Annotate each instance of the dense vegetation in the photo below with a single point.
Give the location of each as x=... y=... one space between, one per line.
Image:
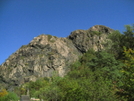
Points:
x=8 y=96
x=106 y=75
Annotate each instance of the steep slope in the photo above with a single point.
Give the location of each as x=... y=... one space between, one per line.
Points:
x=43 y=55
x=46 y=53
x=93 y=38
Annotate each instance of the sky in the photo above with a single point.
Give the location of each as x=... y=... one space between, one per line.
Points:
x=22 y=20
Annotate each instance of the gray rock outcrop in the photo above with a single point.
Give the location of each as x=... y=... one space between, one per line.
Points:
x=93 y=38
x=46 y=54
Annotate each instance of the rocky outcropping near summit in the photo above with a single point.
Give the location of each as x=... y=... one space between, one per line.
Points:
x=46 y=54
x=93 y=38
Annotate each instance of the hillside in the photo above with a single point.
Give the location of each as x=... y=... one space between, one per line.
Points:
x=95 y=64
x=46 y=53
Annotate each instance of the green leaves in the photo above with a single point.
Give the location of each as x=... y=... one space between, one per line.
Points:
x=10 y=96
x=128 y=74
x=119 y=40
x=105 y=62
x=129 y=31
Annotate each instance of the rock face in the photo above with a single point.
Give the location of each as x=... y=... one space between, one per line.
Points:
x=93 y=38
x=46 y=54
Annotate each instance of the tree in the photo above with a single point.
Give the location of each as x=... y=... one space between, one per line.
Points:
x=119 y=40
x=116 y=38
x=8 y=96
x=107 y=63
x=128 y=75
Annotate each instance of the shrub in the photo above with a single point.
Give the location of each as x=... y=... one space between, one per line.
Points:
x=10 y=96
x=49 y=37
x=3 y=93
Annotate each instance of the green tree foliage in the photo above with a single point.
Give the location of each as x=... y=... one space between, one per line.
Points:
x=106 y=63
x=50 y=91
x=87 y=87
x=10 y=96
x=128 y=37
x=127 y=88
x=119 y=40
x=129 y=31
x=115 y=44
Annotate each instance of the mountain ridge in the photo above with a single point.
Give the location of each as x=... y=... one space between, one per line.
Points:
x=46 y=54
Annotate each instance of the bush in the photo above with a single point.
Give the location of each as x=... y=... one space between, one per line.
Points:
x=10 y=96
x=3 y=93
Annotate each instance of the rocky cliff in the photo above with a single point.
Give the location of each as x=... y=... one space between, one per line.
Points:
x=46 y=54
x=93 y=38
